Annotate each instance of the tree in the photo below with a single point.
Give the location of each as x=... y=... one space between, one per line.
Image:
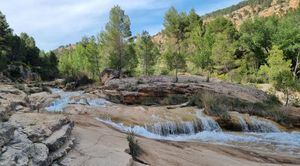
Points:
x=175 y=28
x=288 y=39
x=116 y=37
x=30 y=50
x=285 y=82
x=222 y=53
x=5 y=36
x=93 y=58
x=256 y=38
x=275 y=64
x=147 y=53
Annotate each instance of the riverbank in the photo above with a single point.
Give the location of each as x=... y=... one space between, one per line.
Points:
x=82 y=127
x=99 y=144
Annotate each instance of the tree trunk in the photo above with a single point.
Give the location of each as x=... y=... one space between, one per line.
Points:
x=176 y=73
x=208 y=76
x=296 y=66
x=287 y=98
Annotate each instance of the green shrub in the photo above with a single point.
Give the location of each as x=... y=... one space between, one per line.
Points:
x=134 y=148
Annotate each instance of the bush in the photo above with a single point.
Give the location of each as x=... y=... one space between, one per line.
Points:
x=134 y=148
x=214 y=105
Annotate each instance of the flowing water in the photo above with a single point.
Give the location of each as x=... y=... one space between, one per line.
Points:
x=258 y=134
x=208 y=124
x=67 y=98
x=243 y=123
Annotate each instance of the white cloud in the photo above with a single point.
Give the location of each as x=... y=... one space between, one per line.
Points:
x=57 y=22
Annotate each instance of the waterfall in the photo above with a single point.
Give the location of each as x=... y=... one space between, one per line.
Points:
x=173 y=128
x=243 y=123
x=262 y=125
x=207 y=123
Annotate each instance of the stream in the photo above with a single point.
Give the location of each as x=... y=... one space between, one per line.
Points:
x=261 y=136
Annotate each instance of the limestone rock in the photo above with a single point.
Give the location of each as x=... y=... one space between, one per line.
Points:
x=21 y=151
x=6 y=133
x=41 y=100
x=108 y=74
x=59 y=137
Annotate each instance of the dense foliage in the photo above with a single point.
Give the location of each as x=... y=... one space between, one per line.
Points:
x=19 y=55
x=249 y=54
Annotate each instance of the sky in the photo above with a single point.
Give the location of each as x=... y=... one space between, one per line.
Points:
x=60 y=22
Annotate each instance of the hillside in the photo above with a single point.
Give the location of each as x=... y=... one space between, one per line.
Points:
x=244 y=10
x=251 y=8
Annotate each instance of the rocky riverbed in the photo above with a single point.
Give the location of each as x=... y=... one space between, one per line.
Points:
x=49 y=126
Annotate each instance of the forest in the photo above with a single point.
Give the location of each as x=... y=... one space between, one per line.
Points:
x=261 y=50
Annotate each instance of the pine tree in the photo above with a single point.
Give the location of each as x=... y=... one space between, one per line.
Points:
x=175 y=28
x=147 y=53
x=5 y=36
x=116 y=38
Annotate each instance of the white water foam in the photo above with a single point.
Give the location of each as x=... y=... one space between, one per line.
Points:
x=66 y=98
x=263 y=125
x=243 y=123
x=286 y=143
x=207 y=123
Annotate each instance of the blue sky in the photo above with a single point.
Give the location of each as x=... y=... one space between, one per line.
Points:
x=59 y=22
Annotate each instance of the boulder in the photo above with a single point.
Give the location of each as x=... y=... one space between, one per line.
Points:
x=41 y=100
x=59 y=137
x=162 y=90
x=22 y=152
x=108 y=74
x=35 y=139
x=6 y=133
x=4 y=114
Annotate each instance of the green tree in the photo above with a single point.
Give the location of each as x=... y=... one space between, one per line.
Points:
x=5 y=36
x=257 y=39
x=175 y=28
x=116 y=38
x=288 y=38
x=223 y=53
x=147 y=53
x=275 y=64
x=30 y=51
x=285 y=82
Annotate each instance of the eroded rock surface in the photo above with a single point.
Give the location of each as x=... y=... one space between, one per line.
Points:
x=163 y=90
x=37 y=139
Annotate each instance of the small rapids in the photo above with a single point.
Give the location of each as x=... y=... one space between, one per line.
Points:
x=207 y=123
x=278 y=142
x=67 y=98
x=258 y=133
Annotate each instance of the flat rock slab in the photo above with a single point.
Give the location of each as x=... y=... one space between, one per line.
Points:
x=38 y=126
x=98 y=144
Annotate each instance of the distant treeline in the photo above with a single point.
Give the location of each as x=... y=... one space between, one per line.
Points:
x=262 y=3
x=19 y=55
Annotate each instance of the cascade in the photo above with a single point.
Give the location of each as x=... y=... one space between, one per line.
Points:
x=243 y=123
x=207 y=123
x=262 y=125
